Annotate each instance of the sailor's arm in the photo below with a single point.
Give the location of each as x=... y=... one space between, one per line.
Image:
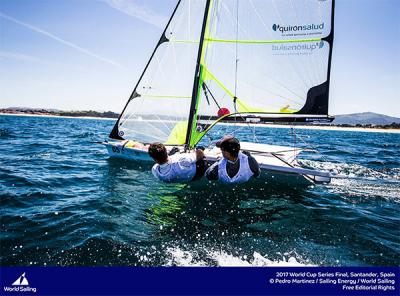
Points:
x=254 y=166
x=212 y=172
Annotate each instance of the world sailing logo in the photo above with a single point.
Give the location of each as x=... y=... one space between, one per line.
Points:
x=21 y=284
x=21 y=281
x=299 y=28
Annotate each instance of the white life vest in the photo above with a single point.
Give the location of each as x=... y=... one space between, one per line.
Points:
x=180 y=168
x=242 y=176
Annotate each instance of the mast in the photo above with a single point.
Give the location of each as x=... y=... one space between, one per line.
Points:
x=329 y=39
x=197 y=77
x=114 y=133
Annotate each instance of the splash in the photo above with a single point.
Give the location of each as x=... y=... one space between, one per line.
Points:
x=179 y=257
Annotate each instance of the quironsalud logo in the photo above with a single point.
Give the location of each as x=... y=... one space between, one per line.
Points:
x=305 y=48
x=298 y=28
x=21 y=285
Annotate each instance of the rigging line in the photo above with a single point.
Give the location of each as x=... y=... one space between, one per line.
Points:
x=126 y=122
x=236 y=64
x=114 y=131
x=313 y=66
x=135 y=130
x=159 y=129
x=145 y=134
x=281 y=41
x=173 y=50
x=127 y=117
x=309 y=65
x=159 y=118
x=236 y=57
x=320 y=69
x=312 y=147
x=276 y=94
x=259 y=16
x=275 y=81
x=159 y=67
x=140 y=107
x=315 y=61
x=294 y=140
x=289 y=164
x=236 y=49
x=205 y=93
x=189 y=19
x=212 y=96
x=232 y=19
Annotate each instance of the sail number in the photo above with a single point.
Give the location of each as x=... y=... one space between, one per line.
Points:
x=115 y=149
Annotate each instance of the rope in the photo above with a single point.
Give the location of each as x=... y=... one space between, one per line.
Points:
x=296 y=136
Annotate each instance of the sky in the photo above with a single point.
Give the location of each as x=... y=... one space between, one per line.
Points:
x=88 y=54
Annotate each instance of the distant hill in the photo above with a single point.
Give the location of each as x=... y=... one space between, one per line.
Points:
x=55 y=112
x=365 y=118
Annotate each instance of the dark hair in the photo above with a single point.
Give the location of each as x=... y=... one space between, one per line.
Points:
x=232 y=146
x=158 y=152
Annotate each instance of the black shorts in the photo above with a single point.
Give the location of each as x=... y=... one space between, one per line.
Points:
x=201 y=167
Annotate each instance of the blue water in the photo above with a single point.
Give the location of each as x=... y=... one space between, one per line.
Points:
x=64 y=202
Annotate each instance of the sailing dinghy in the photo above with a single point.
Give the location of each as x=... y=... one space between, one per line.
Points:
x=233 y=63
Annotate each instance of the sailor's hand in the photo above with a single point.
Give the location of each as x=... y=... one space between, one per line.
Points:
x=199 y=154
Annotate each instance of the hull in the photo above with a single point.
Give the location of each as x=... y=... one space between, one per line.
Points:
x=278 y=163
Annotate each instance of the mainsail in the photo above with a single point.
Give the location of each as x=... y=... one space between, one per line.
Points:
x=262 y=59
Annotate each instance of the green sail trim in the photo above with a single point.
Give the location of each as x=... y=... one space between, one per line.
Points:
x=248 y=41
x=178 y=134
x=262 y=41
x=243 y=107
x=205 y=74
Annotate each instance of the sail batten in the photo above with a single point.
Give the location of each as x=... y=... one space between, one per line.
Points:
x=262 y=41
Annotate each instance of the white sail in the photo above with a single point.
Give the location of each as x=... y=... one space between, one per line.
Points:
x=241 y=56
x=163 y=96
x=265 y=57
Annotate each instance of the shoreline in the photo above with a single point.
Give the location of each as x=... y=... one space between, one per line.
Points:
x=328 y=128
x=58 y=116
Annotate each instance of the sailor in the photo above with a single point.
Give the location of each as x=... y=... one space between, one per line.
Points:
x=179 y=167
x=235 y=166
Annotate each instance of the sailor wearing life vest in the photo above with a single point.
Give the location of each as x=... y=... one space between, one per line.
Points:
x=179 y=167
x=235 y=166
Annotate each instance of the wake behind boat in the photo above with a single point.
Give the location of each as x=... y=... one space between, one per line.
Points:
x=233 y=62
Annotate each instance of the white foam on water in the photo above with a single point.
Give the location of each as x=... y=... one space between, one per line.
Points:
x=179 y=257
x=357 y=181
x=352 y=170
x=365 y=189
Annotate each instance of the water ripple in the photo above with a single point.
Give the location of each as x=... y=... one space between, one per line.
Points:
x=64 y=202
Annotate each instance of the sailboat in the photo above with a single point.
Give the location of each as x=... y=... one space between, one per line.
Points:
x=232 y=63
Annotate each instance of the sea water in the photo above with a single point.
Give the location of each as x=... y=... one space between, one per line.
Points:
x=65 y=202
